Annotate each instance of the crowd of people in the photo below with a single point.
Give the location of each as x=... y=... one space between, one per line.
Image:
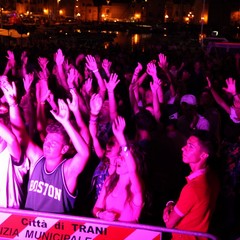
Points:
x=112 y=134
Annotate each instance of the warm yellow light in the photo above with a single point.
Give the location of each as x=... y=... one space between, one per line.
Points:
x=204 y=19
x=45 y=11
x=61 y=12
x=136 y=39
x=103 y=15
x=166 y=16
x=78 y=14
x=137 y=15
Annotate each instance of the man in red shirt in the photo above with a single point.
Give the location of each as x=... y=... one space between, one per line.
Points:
x=194 y=208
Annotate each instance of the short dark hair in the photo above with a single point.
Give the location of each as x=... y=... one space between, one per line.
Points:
x=144 y=120
x=56 y=127
x=204 y=140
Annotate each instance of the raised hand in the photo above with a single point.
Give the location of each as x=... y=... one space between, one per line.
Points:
x=113 y=82
x=42 y=91
x=231 y=86
x=62 y=115
x=106 y=65
x=162 y=61
x=91 y=63
x=24 y=58
x=59 y=57
x=42 y=61
x=11 y=59
x=87 y=86
x=118 y=127
x=42 y=75
x=27 y=81
x=71 y=78
x=138 y=69
x=152 y=69
x=73 y=105
x=155 y=85
x=9 y=90
x=95 y=104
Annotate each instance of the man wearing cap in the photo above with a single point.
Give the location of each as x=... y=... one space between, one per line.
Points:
x=190 y=120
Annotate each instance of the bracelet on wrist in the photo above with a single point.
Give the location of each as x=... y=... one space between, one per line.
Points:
x=94 y=114
x=97 y=213
x=13 y=104
x=170 y=203
x=93 y=120
x=94 y=71
x=125 y=148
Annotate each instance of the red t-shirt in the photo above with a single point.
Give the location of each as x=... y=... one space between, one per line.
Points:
x=197 y=203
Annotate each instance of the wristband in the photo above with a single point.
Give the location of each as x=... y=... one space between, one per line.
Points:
x=94 y=71
x=13 y=105
x=124 y=148
x=169 y=203
x=97 y=213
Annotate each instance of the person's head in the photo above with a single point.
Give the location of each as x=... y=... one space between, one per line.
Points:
x=148 y=97
x=197 y=149
x=188 y=104
x=144 y=121
x=56 y=142
x=112 y=148
x=206 y=99
x=104 y=112
x=123 y=171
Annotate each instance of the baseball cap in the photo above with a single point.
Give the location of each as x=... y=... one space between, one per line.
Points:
x=189 y=99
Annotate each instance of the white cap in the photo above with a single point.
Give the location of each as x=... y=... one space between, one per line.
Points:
x=189 y=99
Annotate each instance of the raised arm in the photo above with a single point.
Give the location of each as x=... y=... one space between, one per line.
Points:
x=152 y=71
x=106 y=65
x=155 y=85
x=95 y=106
x=42 y=94
x=92 y=65
x=74 y=166
x=111 y=85
x=118 y=127
x=24 y=60
x=12 y=142
x=74 y=107
x=11 y=63
x=33 y=152
x=134 y=89
x=59 y=59
x=72 y=78
x=163 y=64
x=27 y=102
x=217 y=98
